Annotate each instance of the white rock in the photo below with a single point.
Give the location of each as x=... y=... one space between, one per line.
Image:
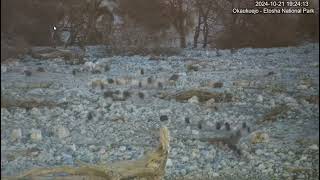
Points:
x=122 y=148
x=259 y=152
x=302 y=87
x=260 y=98
x=195 y=153
x=185 y=159
x=73 y=147
x=272 y=103
x=314 y=147
x=62 y=132
x=303 y=158
x=215 y=174
x=169 y=163
x=261 y=167
x=195 y=132
x=16 y=134
x=210 y=102
x=35 y=112
x=36 y=135
x=4 y=68
x=194 y=100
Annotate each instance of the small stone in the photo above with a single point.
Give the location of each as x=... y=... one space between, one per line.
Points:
x=41 y=69
x=218 y=125
x=185 y=159
x=102 y=151
x=73 y=147
x=36 y=135
x=149 y=80
x=199 y=125
x=16 y=134
x=110 y=81
x=160 y=85
x=211 y=102
x=108 y=94
x=141 y=95
x=194 y=100
x=187 y=120
x=27 y=73
x=169 y=163
x=96 y=71
x=303 y=158
x=195 y=153
x=62 y=132
x=302 y=87
x=67 y=158
x=101 y=86
x=174 y=77
x=164 y=118
x=215 y=174
x=4 y=68
x=74 y=72
x=271 y=73
x=244 y=125
x=260 y=98
x=106 y=68
x=123 y=148
x=259 y=152
x=126 y=94
x=314 y=147
x=195 y=132
x=183 y=172
x=227 y=126
x=272 y=103
x=90 y=116
x=261 y=167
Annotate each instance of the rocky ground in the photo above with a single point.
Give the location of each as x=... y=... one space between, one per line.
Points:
x=110 y=108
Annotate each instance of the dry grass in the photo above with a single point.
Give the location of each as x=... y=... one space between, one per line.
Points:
x=42 y=85
x=98 y=83
x=275 y=112
x=277 y=88
x=192 y=67
x=26 y=104
x=203 y=96
x=150 y=167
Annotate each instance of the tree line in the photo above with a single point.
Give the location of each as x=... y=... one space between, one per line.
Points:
x=209 y=22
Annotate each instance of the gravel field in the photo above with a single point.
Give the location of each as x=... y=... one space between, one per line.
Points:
x=110 y=109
